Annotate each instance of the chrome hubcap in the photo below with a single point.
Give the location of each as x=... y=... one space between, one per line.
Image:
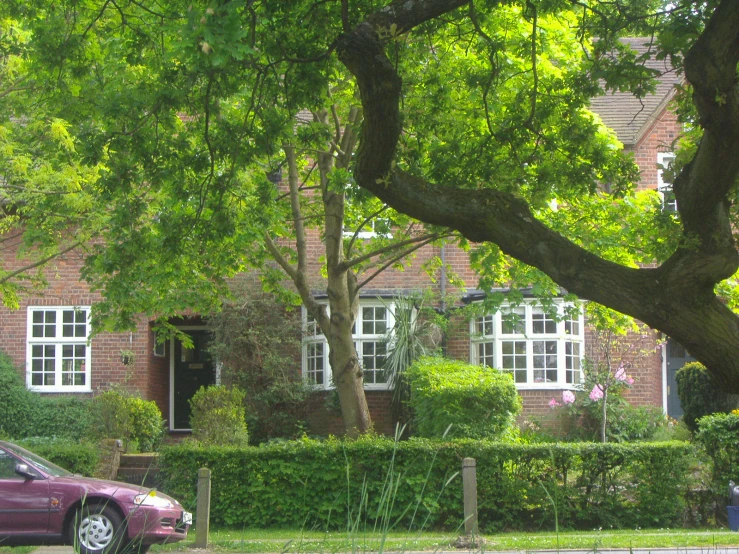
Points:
x=95 y=532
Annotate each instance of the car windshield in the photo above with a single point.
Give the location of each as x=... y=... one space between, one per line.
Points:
x=44 y=465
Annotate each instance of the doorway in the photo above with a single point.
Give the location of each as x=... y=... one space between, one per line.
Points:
x=677 y=357
x=191 y=368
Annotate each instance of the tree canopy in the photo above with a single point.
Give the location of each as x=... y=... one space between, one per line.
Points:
x=166 y=117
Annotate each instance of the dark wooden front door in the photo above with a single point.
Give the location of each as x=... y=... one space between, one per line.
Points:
x=193 y=368
x=677 y=357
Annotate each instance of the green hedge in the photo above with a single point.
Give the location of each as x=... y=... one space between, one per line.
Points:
x=78 y=457
x=307 y=483
x=718 y=435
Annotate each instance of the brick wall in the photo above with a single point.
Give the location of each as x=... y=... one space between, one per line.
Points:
x=660 y=137
x=149 y=375
x=325 y=416
x=107 y=370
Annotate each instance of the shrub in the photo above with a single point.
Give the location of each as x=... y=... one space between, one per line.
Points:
x=16 y=402
x=718 y=435
x=218 y=416
x=147 y=425
x=27 y=414
x=78 y=457
x=477 y=402
x=258 y=345
x=61 y=416
x=699 y=394
x=119 y=415
x=582 y=420
x=325 y=484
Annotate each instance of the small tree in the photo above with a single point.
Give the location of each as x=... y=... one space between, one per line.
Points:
x=257 y=341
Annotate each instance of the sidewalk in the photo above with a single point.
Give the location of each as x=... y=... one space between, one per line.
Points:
x=686 y=550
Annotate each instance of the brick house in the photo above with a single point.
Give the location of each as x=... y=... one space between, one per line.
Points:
x=48 y=334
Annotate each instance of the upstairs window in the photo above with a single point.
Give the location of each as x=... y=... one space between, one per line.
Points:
x=664 y=161
x=537 y=349
x=58 y=353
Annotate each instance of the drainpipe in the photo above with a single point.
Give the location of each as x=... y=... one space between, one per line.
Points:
x=443 y=276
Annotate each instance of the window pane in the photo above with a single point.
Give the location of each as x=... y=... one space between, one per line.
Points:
x=572 y=363
x=545 y=361
x=73 y=364
x=314 y=363
x=572 y=327
x=373 y=359
x=541 y=324
x=513 y=322
x=374 y=320
x=514 y=358
x=485 y=325
x=485 y=354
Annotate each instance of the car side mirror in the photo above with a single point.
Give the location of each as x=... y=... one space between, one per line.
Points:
x=24 y=471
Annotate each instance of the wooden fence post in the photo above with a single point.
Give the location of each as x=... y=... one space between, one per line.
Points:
x=202 y=517
x=469 y=485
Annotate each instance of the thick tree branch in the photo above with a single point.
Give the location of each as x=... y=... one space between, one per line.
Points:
x=677 y=297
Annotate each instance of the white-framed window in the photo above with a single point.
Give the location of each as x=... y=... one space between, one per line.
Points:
x=58 y=353
x=377 y=227
x=669 y=203
x=538 y=350
x=370 y=340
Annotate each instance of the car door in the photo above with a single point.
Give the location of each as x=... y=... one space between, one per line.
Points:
x=24 y=503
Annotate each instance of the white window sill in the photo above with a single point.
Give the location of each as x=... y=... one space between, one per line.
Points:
x=60 y=389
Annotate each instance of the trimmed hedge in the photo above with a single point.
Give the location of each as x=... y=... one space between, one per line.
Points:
x=78 y=457
x=718 y=435
x=306 y=483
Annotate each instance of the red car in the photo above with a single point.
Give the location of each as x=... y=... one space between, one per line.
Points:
x=39 y=501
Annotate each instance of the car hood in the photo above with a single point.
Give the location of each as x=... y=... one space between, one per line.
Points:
x=124 y=492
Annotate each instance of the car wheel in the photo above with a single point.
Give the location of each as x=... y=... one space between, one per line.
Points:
x=96 y=529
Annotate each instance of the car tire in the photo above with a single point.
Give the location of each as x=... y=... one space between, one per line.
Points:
x=96 y=529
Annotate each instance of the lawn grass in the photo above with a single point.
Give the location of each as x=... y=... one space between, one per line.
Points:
x=296 y=541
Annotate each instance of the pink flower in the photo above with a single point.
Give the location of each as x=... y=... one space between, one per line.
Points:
x=621 y=374
x=568 y=397
x=553 y=403
x=630 y=380
x=596 y=394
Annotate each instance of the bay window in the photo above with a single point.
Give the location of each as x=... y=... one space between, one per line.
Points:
x=538 y=349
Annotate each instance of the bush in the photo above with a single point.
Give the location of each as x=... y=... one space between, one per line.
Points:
x=582 y=420
x=16 y=402
x=28 y=414
x=147 y=425
x=61 y=416
x=416 y=483
x=258 y=345
x=718 y=435
x=119 y=415
x=699 y=394
x=78 y=457
x=218 y=416
x=477 y=402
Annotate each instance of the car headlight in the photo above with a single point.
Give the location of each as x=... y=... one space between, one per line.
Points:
x=151 y=499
